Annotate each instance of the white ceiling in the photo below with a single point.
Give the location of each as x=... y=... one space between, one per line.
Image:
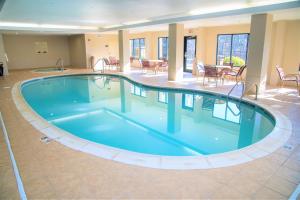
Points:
x=101 y=13
x=290 y=14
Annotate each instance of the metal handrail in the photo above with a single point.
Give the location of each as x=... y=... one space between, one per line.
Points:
x=231 y=90
x=256 y=91
x=244 y=92
x=100 y=59
x=60 y=62
x=235 y=114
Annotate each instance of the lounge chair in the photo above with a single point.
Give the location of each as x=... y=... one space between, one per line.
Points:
x=287 y=77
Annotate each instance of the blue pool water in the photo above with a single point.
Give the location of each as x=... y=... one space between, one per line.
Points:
x=113 y=111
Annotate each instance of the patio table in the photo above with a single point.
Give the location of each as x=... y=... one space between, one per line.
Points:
x=156 y=64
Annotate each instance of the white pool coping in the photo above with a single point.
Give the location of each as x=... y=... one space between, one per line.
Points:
x=277 y=138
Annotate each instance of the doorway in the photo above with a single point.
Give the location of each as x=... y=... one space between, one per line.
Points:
x=189 y=55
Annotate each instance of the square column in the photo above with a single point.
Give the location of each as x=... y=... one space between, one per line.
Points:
x=176 y=35
x=124 y=51
x=259 y=50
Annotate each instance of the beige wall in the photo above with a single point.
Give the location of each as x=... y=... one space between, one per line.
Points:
x=285 y=50
x=77 y=51
x=21 y=53
x=101 y=46
x=291 y=54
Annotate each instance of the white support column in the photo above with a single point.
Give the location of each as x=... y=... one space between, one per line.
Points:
x=124 y=50
x=176 y=35
x=259 y=50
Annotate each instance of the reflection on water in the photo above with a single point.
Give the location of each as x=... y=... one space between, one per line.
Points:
x=115 y=112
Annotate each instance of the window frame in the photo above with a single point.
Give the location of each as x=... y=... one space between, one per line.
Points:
x=158 y=51
x=140 y=94
x=184 y=106
x=139 y=47
x=166 y=100
x=232 y=34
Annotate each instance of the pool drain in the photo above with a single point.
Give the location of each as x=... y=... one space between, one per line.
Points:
x=288 y=147
x=46 y=139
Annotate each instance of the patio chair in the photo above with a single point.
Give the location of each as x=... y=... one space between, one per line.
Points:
x=164 y=65
x=287 y=77
x=131 y=59
x=233 y=73
x=146 y=65
x=107 y=63
x=199 y=69
x=212 y=72
x=114 y=62
x=228 y=64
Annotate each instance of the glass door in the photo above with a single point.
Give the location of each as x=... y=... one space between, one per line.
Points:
x=189 y=52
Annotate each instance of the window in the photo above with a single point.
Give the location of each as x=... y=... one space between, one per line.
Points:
x=229 y=112
x=137 y=48
x=232 y=48
x=138 y=91
x=163 y=43
x=188 y=101
x=163 y=97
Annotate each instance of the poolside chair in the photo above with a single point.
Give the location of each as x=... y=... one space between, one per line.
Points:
x=107 y=63
x=114 y=62
x=212 y=72
x=235 y=74
x=164 y=65
x=131 y=59
x=199 y=69
x=287 y=77
x=146 y=65
x=228 y=64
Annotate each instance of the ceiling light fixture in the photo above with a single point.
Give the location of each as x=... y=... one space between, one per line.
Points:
x=47 y=26
x=16 y=24
x=112 y=26
x=208 y=10
x=53 y=26
x=236 y=6
x=136 y=22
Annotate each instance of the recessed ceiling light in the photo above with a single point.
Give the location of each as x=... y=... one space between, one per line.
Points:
x=136 y=22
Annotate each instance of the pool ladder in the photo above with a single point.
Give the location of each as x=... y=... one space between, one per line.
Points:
x=98 y=61
x=244 y=92
x=60 y=64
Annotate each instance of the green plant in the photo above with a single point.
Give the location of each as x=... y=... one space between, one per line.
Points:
x=237 y=61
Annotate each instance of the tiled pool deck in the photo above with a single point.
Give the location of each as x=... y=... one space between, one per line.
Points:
x=55 y=171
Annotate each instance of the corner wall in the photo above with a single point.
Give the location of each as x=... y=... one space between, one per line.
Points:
x=101 y=46
x=21 y=53
x=77 y=51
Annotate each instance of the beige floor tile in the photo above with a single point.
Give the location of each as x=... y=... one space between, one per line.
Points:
x=267 y=193
x=281 y=185
x=289 y=174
